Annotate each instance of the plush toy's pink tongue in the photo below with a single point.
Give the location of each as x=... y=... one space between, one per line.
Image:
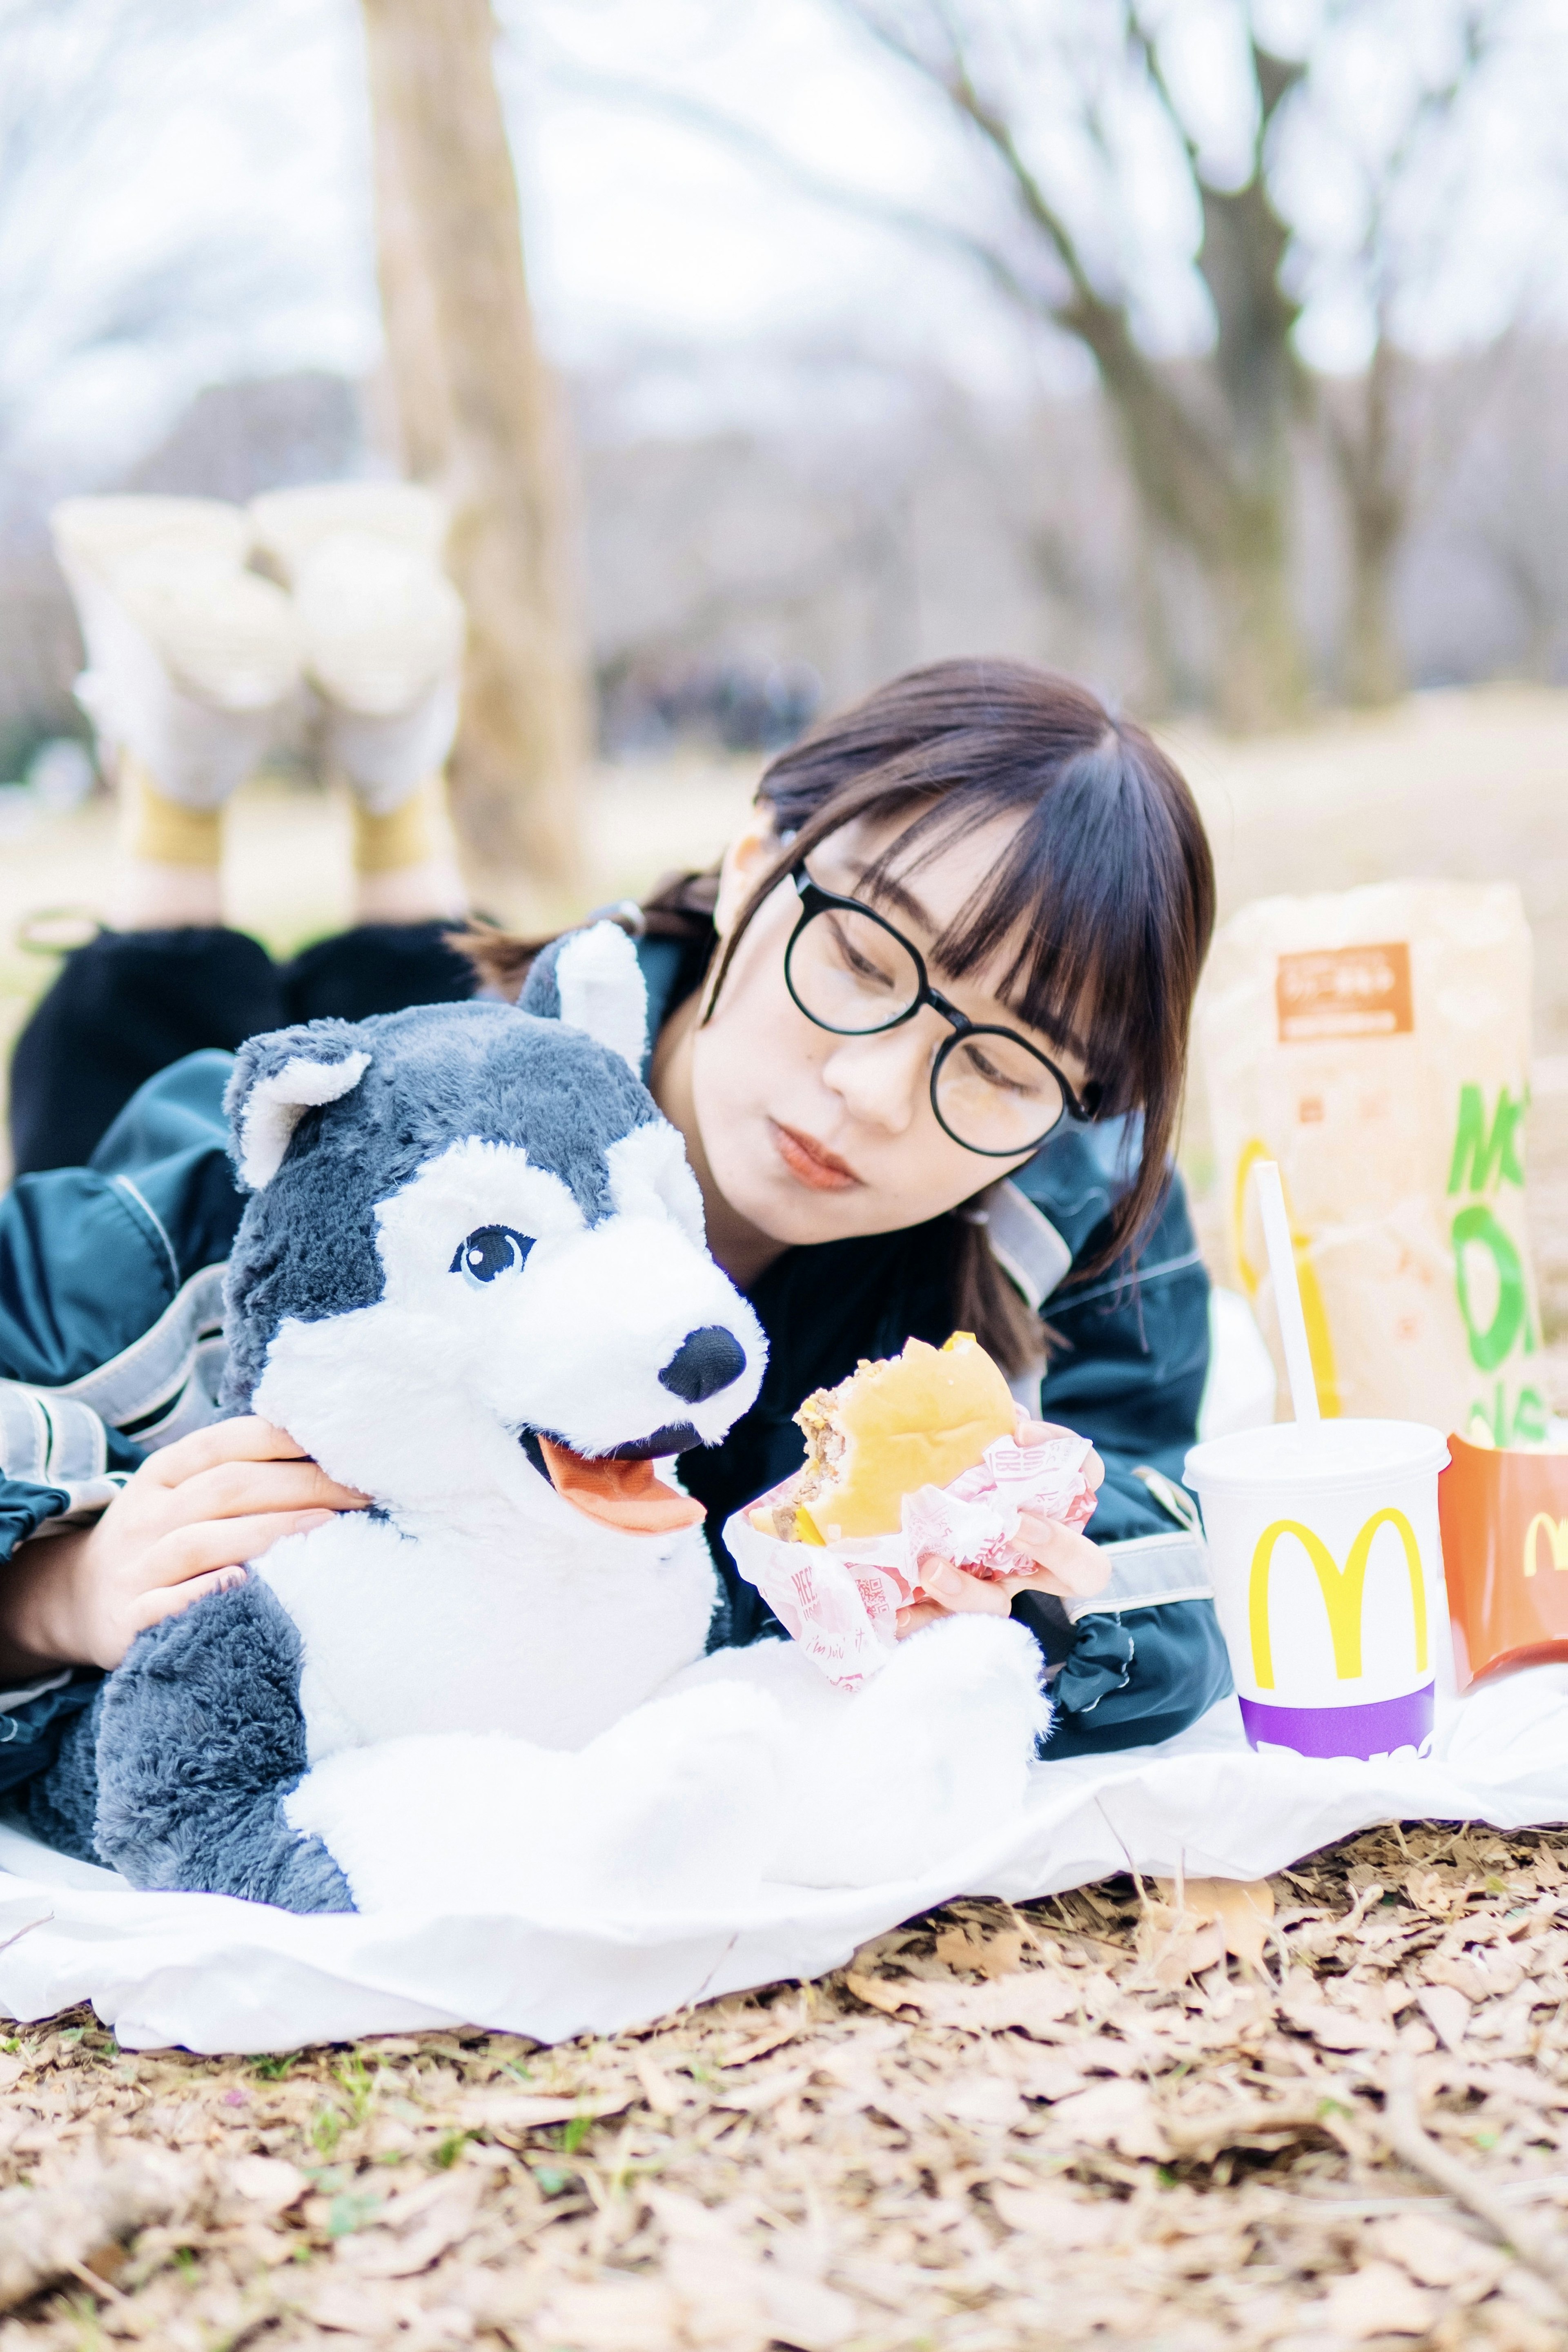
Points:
x=621 y=1494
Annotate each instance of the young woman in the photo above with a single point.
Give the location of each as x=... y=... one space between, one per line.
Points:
x=923 y=1033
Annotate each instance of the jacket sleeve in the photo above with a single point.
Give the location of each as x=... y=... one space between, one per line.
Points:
x=1129 y=1357
x=111 y=1301
x=1129 y=1349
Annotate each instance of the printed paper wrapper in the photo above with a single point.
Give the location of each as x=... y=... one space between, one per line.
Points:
x=841 y=1601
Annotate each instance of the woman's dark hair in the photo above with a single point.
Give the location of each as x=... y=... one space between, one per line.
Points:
x=1103 y=902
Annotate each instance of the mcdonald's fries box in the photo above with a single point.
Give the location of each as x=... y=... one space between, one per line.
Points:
x=1504 y=1519
x=1327 y=1575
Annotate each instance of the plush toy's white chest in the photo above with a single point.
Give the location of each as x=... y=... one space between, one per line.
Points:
x=485 y=1629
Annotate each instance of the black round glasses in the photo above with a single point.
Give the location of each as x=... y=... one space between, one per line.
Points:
x=850 y=971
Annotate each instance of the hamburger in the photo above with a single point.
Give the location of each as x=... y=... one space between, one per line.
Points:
x=920 y=1419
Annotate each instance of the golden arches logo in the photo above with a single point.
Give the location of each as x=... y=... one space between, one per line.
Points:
x=1343 y=1590
x=1319 y=1340
x=1556 y=1534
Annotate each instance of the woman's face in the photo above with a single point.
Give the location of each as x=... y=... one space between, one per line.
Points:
x=812 y=1137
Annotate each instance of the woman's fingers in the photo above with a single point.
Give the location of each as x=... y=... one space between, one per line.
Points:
x=246 y=1438
x=232 y=1490
x=918 y=1613
x=195 y=1552
x=153 y=1607
x=959 y=1593
x=1067 y=1563
x=1036 y=1433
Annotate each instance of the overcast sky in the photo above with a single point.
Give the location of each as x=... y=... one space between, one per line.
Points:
x=240 y=133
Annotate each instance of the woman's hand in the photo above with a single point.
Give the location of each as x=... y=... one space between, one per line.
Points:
x=1066 y=1563
x=183 y=1526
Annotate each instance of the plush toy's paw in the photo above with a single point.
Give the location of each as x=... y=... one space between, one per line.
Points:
x=667 y=1813
x=681 y=1800
x=199 y=1735
x=926 y=1760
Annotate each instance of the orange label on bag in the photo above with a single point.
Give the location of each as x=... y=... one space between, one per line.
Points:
x=1360 y=992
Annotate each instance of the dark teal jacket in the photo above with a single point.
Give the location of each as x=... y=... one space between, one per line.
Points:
x=110 y=1341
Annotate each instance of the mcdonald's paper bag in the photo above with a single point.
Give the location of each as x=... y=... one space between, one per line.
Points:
x=1375 y=1043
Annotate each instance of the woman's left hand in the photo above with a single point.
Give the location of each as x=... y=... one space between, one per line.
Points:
x=1067 y=1564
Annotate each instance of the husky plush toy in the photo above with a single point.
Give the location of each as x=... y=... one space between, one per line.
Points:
x=472 y=1283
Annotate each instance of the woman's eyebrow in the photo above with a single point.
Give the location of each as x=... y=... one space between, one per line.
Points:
x=893 y=893
x=903 y=901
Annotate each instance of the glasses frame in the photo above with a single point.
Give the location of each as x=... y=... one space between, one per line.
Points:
x=815 y=901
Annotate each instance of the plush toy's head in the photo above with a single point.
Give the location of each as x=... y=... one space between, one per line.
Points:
x=474 y=1260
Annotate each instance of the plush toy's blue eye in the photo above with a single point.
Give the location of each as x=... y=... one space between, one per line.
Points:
x=493 y=1250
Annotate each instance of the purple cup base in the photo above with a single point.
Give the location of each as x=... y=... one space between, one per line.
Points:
x=1377 y=1729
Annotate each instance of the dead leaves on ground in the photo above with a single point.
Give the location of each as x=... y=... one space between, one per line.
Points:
x=1161 y=2112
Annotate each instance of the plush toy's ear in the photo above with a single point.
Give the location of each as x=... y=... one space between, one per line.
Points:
x=278 y=1077
x=592 y=980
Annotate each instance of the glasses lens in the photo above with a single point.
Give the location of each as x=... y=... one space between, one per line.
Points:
x=851 y=974
x=995 y=1095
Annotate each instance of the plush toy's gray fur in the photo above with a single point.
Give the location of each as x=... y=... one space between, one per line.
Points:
x=540 y=994
x=201 y=1739
x=61 y=1806
x=306 y=1245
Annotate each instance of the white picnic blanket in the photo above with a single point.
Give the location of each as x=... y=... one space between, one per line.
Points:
x=213 y=1974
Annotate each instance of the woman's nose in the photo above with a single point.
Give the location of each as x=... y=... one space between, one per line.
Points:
x=882 y=1079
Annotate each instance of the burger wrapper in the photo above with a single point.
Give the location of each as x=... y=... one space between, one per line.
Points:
x=841 y=1601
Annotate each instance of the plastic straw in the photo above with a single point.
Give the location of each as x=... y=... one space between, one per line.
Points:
x=1287 y=1291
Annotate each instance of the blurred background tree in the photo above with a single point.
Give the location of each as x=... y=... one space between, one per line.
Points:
x=477 y=417
x=1067 y=107
x=1211 y=348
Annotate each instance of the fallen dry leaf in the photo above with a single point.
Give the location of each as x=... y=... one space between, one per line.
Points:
x=1114 y=2115
x=1057 y=2218
x=1378 y=2300
x=1430 y=1893
x=267 y=2182
x=1448 y=2012
x=506 y=2111
x=414 y=2232
x=804 y=2313
x=1490 y=1972
x=1175 y=1946
x=657 y=2087
x=788 y=2029
x=51 y=2234
x=1049 y=2073
x=1031 y=2002
x=625 y=2315
x=979 y=2098
x=1438 y=2252
x=1244 y=1911
x=1338 y=2029
x=990 y=1956
x=1241 y=1909
x=756 y=2098
x=889 y=1994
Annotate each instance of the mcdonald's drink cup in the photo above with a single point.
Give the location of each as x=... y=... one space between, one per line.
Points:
x=1327 y=1575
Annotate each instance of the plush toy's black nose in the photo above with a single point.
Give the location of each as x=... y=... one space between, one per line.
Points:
x=705 y=1362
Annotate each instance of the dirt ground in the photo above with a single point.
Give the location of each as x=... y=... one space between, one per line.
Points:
x=1136 y=2115
x=1328 y=2112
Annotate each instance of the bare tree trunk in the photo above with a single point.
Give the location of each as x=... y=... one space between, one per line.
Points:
x=1208 y=447
x=1374 y=661
x=478 y=419
x=1367 y=456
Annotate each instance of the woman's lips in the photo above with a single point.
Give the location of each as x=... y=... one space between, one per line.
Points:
x=811 y=1163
